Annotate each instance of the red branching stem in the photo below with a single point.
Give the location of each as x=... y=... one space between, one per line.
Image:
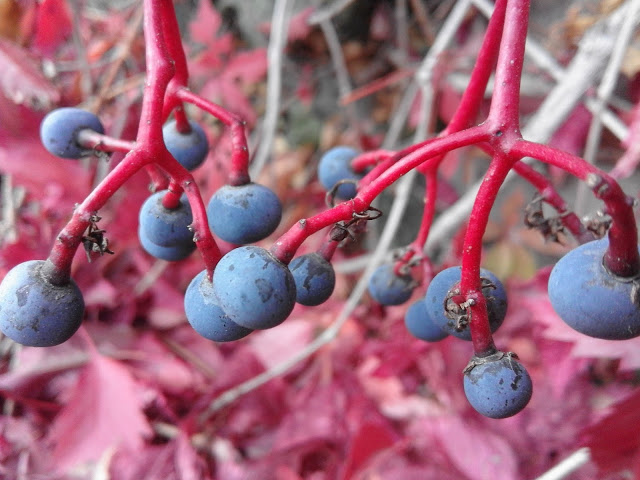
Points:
x=370 y=159
x=91 y=139
x=428 y=213
x=470 y=283
x=473 y=95
x=173 y=42
x=551 y=196
x=388 y=162
x=430 y=197
x=239 y=167
x=70 y=237
x=149 y=148
x=286 y=246
x=160 y=70
x=505 y=103
x=182 y=180
x=622 y=257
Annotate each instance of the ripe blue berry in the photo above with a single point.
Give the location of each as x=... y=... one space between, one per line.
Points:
x=387 y=288
x=189 y=149
x=497 y=386
x=254 y=288
x=205 y=315
x=244 y=214
x=166 y=227
x=315 y=279
x=35 y=312
x=59 y=131
x=449 y=279
x=420 y=324
x=335 y=165
x=174 y=253
x=590 y=299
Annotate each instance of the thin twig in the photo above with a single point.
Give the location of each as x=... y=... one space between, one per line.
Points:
x=606 y=87
x=424 y=74
x=424 y=22
x=402 y=30
x=152 y=275
x=122 y=53
x=569 y=465
x=277 y=41
x=326 y=13
x=86 y=83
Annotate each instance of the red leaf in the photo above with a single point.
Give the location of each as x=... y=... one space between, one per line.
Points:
x=103 y=412
x=21 y=79
x=53 y=25
x=615 y=440
x=247 y=67
x=475 y=451
x=206 y=23
x=275 y=346
x=369 y=439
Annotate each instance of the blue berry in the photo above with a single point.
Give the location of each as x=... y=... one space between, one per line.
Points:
x=59 y=131
x=497 y=386
x=448 y=279
x=244 y=214
x=315 y=279
x=205 y=315
x=173 y=253
x=387 y=288
x=189 y=149
x=420 y=324
x=254 y=288
x=166 y=227
x=590 y=299
x=335 y=165
x=35 y=312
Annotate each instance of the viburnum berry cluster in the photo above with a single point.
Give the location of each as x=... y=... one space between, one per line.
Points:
x=595 y=288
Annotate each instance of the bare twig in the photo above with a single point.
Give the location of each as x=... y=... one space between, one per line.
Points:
x=326 y=13
x=606 y=87
x=86 y=83
x=569 y=465
x=277 y=41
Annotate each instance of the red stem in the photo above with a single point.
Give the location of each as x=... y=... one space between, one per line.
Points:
x=286 y=246
x=370 y=159
x=327 y=249
x=622 y=257
x=470 y=284
x=473 y=95
x=149 y=147
x=69 y=238
x=504 y=114
x=550 y=195
x=93 y=140
x=239 y=167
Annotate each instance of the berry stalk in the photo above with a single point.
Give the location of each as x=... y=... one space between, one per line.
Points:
x=470 y=283
x=622 y=257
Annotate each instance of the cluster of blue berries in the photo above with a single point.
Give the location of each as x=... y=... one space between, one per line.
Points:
x=251 y=289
